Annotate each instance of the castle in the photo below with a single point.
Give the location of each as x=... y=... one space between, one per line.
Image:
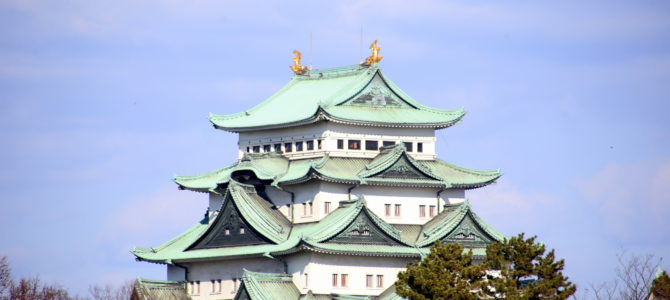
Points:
x=336 y=188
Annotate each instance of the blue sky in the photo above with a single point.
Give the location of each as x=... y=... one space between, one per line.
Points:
x=101 y=102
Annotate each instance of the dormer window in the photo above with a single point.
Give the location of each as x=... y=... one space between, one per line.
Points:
x=354 y=145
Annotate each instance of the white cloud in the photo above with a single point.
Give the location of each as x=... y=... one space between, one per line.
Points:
x=631 y=199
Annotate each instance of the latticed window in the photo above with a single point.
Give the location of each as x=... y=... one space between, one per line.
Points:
x=326 y=207
x=397 y=210
x=334 y=280
x=343 y=279
x=432 y=211
x=422 y=211
x=368 y=281
x=380 y=281
x=387 y=210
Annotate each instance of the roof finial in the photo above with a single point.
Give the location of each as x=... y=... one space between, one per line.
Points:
x=375 y=57
x=297 y=68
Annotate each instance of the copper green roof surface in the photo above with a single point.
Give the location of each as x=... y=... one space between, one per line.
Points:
x=318 y=236
x=278 y=169
x=267 y=286
x=146 y=289
x=352 y=95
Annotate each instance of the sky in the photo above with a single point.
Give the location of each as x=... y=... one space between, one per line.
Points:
x=102 y=102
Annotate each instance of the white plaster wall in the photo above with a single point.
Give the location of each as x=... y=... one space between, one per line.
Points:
x=175 y=273
x=453 y=196
x=281 y=199
x=320 y=268
x=304 y=194
x=409 y=198
x=226 y=271
x=330 y=132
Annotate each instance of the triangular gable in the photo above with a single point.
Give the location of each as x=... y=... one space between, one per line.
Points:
x=363 y=230
x=460 y=225
x=469 y=234
x=229 y=229
x=377 y=94
x=394 y=163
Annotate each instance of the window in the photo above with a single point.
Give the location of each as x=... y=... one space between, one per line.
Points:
x=288 y=147
x=397 y=210
x=290 y=210
x=248 y=149
x=343 y=279
x=306 y=280
x=266 y=148
x=422 y=211
x=334 y=280
x=365 y=232
x=388 y=143
x=298 y=146
x=432 y=211
x=408 y=145
x=235 y=285
x=371 y=145
x=311 y=208
x=368 y=281
x=195 y=287
x=340 y=144
x=257 y=149
x=307 y=209
x=387 y=210
x=310 y=145
x=354 y=145
x=326 y=207
x=304 y=209
x=226 y=231
x=419 y=147
x=218 y=286
x=213 y=287
x=318 y=144
x=277 y=147
x=242 y=230
x=380 y=281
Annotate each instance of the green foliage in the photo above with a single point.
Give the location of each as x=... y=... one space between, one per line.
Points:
x=446 y=273
x=660 y=288
x=516 y=269
x=525 y=271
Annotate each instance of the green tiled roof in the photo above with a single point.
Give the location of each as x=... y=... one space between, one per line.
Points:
x=267 y=286
x=331 y=94
x=146 y=289
x=316 y=236
x=281 y=171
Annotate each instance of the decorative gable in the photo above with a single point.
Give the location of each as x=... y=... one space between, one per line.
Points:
x=403 y=169
x=469 y=234
x=363 y=230
x=377 y=94
x=229 y=230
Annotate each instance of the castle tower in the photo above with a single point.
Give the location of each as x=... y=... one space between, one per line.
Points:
x=336 y=188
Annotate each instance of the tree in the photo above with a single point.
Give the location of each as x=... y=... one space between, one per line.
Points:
x=660 y=288
x=525 y=272
x=446 y=273
x=517 y=268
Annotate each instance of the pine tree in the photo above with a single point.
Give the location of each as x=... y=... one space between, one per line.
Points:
x=521 y=270
x=515 y=269
x=446 y=273
x=661 y=287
